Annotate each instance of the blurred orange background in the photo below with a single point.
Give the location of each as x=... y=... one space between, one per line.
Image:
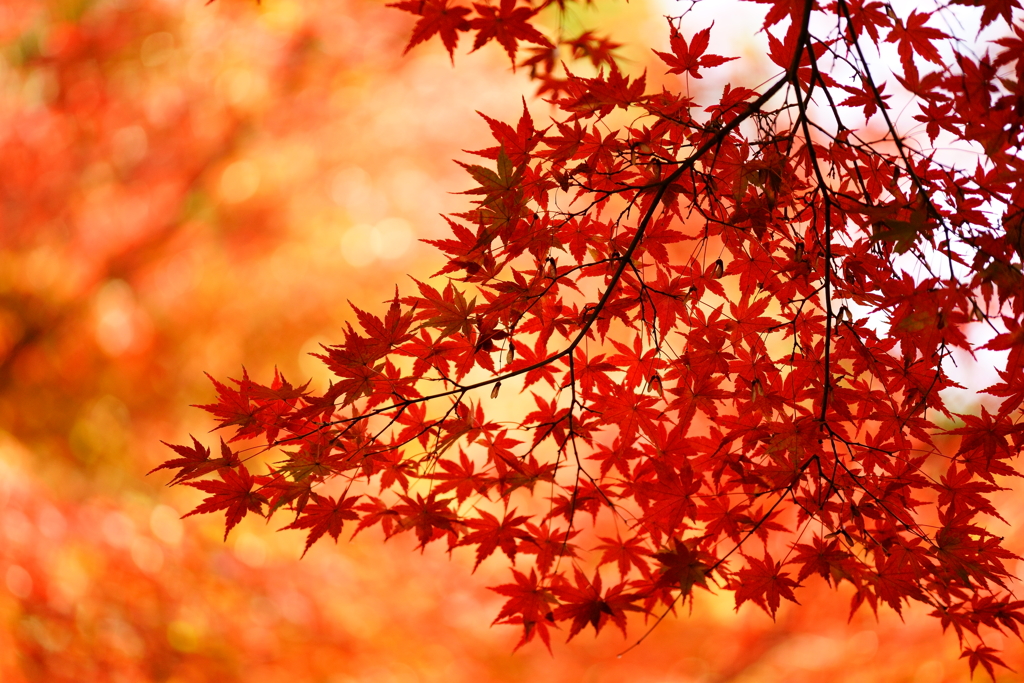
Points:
x=191 y=188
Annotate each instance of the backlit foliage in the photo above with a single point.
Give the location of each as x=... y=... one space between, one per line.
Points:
x=731 y=322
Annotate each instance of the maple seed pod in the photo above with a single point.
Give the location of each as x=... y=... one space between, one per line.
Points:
x=798 y=253
x=756 y=390
x=552 y=267
x=562 y=179
x=494 y=391
x=510 y=356
x=719 y=269
x=654 y=383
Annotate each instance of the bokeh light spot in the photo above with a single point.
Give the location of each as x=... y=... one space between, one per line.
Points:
x=391 y=238
x=183 y=636
x=147 y=555
x=166 y=524
x=19 y=582
x=239 y=181
x=115 y=317
x=157 y=49
x=250 y=549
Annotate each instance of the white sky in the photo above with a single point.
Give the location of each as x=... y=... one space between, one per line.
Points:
x=737 y=32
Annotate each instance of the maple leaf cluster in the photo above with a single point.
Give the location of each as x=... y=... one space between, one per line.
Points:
x=732 y=321
x=509 y=23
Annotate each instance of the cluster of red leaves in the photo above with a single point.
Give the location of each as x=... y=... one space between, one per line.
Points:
x=508 y=23
x=678 y=296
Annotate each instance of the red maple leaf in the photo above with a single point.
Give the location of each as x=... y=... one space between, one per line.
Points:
x=824 y=557
x=914 y=39
x=549 y=544
x=431 y=517
x=436 y=18
x=985 y=656
x=460 y=477
x=764 y=583
x=507 y=24
x=993 y=9
x=529 y=603
x=682 y=567
x=325 y=515
x=627 y=554
x=689 y=57
x=195 y=461
x=233 y=494
x=236 y=408
x=985 y=445
x=489 y=534
x=584 y=603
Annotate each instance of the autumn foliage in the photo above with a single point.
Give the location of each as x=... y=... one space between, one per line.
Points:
x=682 y=344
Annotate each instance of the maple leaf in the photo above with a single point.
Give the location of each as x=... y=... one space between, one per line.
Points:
x=689 y=57
x=437 y=17
x=377 y=511
x=598 y=49
x=281 y=491
x=236 y=408
x=431 y=517
x=195 y=461
x=532 y=360
x=897 y=579
x=324 y=515
x=279 y=390
x=993 y=8
x=232 y=494
x=585 y=604
x=984 y=444
x=962 y=495
x=627 y=554
x=915 y=39
x=865 y=98
x=494 y=184
x=824 y=557
x=548 y=544
x=393 y=330
x=529 y=604
x=507 y=24
x=671 y=495
x=764 y=583
x=460 y=477
x=632 y=413
x=998 y=612
x=489 y=534
x=1011 y=388
x=986 y=656
x=639 y=365
x=682 y=567
x=781 y=9
x=584 y=497
x=448 y=312
x=516 y=143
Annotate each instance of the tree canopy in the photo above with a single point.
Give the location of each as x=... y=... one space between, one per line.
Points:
x=683 y=343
